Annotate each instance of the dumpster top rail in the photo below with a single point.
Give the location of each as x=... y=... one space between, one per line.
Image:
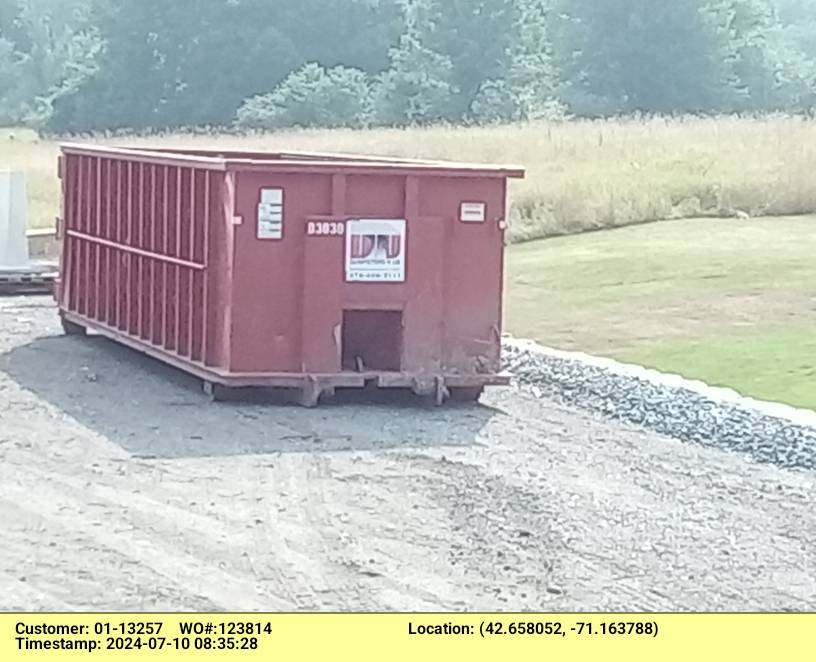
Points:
x=292 y=161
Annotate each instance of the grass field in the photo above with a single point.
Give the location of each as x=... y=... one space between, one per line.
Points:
x=730 y=302
x=582 y=175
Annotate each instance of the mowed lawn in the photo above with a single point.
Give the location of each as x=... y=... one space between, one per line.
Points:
x=730 y=302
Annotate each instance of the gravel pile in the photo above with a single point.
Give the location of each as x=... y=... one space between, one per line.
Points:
x=669 y=405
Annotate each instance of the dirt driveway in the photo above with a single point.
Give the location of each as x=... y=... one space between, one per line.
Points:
x=123 y=488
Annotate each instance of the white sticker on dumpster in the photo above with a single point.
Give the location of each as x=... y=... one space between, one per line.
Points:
x=473 y=212
x=272 y=196
x=375 y=251
x=270 y=214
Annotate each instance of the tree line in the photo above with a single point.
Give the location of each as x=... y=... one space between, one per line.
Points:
x=97 y=65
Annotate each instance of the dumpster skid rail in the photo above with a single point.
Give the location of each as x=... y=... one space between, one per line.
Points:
x=298 y=270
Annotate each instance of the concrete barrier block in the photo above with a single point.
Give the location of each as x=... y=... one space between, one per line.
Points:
x=13 y=206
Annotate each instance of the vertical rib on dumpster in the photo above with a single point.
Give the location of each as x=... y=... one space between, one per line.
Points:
x=68 y=183
x=192 y=277
x=205 y=258
x=78 y=224
x=127 y=265
x=120 y=264
x=165 y=247
x=90 y=221
x=96 y=247
x=150 y=335
x=84 y=222
x=108 y=235
x=138 y=243
x=177 y=269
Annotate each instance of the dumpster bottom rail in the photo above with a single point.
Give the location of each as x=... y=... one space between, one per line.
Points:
x=310 y=388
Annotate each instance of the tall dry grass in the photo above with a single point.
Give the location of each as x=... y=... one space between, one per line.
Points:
x=582 y=175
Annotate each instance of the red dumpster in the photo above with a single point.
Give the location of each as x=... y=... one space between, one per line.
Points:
x=297 y=270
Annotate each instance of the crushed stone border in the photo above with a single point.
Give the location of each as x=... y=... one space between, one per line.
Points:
x=720 y=395
x=671 y=405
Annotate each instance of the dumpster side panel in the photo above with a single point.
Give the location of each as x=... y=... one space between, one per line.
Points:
x=290 y=294
x=270 y=275
x=473 y=270
x=136 y=250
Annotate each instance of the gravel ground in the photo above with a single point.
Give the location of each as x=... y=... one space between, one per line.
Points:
x=123 y=488
x=683 y=410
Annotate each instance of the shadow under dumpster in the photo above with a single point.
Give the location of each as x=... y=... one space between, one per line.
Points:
x=154 y=411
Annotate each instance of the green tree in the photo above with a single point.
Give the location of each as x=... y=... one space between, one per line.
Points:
x=526 y=88
x=533 y=76
x=311 y=96
x=797 y=20
x=779 y=67
x=9 y=83
x=173 y=64
x=77 y=65
x=161 y=69
x=475 y=36
x=641 y=55
x=50 y=53
x=495 y=101
x=417 y=87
